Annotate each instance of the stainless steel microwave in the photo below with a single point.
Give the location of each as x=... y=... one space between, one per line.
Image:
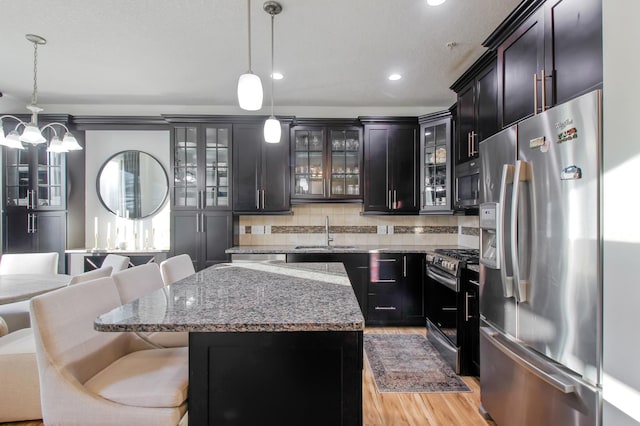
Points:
x=467 y=192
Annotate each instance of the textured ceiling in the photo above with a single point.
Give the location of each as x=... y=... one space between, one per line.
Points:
x=333 y=53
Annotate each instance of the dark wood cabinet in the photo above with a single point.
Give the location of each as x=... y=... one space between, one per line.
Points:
x=477 y=116
x=36 y=231
x=201 y=155
x=436 y=163
x=34 y=197
x=201 y=218
x=261 y=176
x=391 y=167
x=203 y=235
x=553 y=55
x=327 y=161
x=356 y=265
x=396 y=293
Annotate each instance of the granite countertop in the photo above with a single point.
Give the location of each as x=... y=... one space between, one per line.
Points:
x=246 y=297
x=337 y=249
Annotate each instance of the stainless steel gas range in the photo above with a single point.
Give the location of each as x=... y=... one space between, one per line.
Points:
x=452 y=308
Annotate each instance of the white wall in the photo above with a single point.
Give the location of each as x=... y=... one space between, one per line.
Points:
x=621 y=199
x=100 y=145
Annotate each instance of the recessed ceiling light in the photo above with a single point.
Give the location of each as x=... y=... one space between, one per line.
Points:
x=394 y=77
x=435 y=2
x=277 y=76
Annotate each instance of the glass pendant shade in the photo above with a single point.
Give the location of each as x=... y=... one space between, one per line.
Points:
x=32 y=134
x=69 y=143
x=13 y=140
x=272 y=130
x=56 y=145
x=250 y=92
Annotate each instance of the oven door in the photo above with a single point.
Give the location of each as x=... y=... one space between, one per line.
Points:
x=444 y=316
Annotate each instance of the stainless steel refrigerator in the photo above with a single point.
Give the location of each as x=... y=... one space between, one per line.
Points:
x=541 y=268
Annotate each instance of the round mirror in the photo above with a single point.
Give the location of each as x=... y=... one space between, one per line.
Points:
x=132 y=184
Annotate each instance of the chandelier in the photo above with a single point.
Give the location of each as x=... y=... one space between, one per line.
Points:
x=31 y=133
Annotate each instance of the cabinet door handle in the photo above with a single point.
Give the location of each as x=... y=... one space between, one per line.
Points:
x=385 y=308
x=543 y=79
x=324 y=187
x=395 y=199
x=535 y=94
x=467 y=296
x=257 y=199
x=202 y=223
x=197 y=222
x=473 y=143
x=404 y=266
x=202 y=199
x=28 y=223
x=263 y=198
x=34 y=224
x=389 y=200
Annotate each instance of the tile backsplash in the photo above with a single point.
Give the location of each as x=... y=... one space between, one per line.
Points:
x=347 y=225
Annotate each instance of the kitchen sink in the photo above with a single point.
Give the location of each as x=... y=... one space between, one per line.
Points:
x=332 y=247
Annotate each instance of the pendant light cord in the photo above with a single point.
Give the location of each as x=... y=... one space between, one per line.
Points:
x=272 y=16
x=34 y=95
x=249 y=32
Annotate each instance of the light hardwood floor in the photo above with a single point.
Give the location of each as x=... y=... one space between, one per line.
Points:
x=405 y=409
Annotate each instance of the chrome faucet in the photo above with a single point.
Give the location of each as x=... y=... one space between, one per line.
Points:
x=326 y=231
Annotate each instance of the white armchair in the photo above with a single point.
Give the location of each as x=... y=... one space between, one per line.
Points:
x=176 y=268
x=20 y=389
x=117 y=262
x=29 y=263
x=102 y=378
x=137 y=281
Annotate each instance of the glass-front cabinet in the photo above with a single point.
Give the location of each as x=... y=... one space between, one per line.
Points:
x=201 y=167
x=327 y=161
x=34 y=178
x=435 y=168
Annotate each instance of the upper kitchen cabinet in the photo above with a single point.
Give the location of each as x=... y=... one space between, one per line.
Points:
x=436 y=163
x=391 y=165
x=327 y=160
x=261 y=171
x=548 y=52
x=200 y=157
x=477 y=115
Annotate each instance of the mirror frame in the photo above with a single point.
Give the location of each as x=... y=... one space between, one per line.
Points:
x=166 y=178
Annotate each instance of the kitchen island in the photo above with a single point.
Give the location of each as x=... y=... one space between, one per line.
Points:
x=268 y=343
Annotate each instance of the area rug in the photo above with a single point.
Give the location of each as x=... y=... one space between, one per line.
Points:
x=403 y=363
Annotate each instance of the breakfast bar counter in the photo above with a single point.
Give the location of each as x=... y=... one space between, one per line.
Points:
x=269 y=343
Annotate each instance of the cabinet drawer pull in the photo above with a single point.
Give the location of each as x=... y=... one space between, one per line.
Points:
x=384 y=281
x=386 y=260
x=385 y=308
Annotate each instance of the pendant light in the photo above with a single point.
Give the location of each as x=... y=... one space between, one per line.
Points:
x=249 y=84
x=272 y=129
x=32 y=133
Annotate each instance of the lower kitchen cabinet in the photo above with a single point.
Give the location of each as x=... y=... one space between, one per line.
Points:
x=36 y=232
x=202 y=235
x=396 y=294
x=356 y=265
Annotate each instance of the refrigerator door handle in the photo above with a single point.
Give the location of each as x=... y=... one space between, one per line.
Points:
x=507 y=281
x=552 y=379
x=520 y=175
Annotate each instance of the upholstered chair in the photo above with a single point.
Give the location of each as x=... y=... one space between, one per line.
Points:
x=29 y=263
x=176 y=268
x=104 y=271
x=117 y=262
x=138 y=281
x=19 y=385
x=102 y=378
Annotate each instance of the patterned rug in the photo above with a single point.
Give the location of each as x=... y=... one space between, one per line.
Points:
x=404 y=363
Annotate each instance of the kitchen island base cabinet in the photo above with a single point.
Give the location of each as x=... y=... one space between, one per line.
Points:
x=279 y=378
